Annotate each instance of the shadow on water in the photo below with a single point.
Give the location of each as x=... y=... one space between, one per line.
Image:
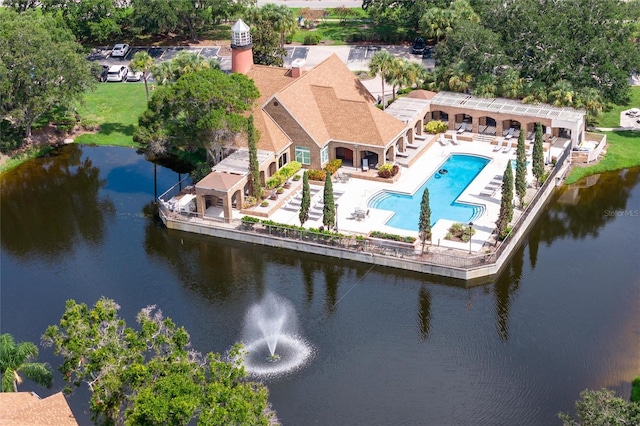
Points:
x=52 y=204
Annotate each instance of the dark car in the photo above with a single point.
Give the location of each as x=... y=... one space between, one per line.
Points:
x=428 y=52
x=101 y=72
x=418 y=46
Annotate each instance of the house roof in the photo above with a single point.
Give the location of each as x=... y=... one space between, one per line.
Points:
x=269 y=80
x=219 y=181
x=328 y=101
x=27 y=409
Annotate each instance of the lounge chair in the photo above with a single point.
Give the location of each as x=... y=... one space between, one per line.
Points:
x=510 y=133
x=498 y=147
x=462 y=128
x=365 y=165
x=508 y=147
x=442 y=140
x=487 y=192
x=454 y=139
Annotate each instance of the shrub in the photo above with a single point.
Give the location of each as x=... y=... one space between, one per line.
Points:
x=311 y=39
x=250 y=219
x=296 y=178
x=635 y=390
x=460 y=231
x=392 y=237
x=249 y=201
x=283 y=174
x=318 y=175
x=280 y=190
x=436 y=126
x=384 y=171
x=265 y=203
x=333 y=166
x=554 y=160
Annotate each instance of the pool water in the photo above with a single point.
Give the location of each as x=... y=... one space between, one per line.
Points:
x=444 y=190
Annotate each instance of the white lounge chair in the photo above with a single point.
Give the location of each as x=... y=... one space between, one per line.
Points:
x=454 y=139
x=365 y=165
x=510 y=133
x=508 y=147
x=442 y=140
x=498 y=147
x=462 y=128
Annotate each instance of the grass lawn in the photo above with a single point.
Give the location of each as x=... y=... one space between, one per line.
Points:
x=116 y=108
x=335 y=31
x=623 y=151
x=611 y=119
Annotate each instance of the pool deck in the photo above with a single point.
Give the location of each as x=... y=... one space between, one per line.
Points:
x=358 y=192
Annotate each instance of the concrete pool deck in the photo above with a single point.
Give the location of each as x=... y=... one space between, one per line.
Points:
x=356 y=193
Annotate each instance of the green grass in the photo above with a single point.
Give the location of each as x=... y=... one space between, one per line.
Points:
x=29 y=154
x=116 y=108
x=611 y=118
x=623 y=151
x=335 y=31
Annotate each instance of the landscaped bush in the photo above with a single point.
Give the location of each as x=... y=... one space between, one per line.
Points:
x=249 y=201
x=333 y=166
x=311 y=39
x=318 y=175
x=460 y=231
x=635 y=390
x=265 y=203
x=297 y=178
x=436 y=126
x=250 y=219
x=392 y=237
x=283 y=174
x=388 y=170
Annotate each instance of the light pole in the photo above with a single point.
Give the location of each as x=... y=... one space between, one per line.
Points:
x=335 y=228
x=470 y=229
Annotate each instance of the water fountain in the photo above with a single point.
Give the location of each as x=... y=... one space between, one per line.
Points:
x=271 y=338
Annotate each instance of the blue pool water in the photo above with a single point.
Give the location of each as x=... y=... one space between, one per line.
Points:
x=444 y=189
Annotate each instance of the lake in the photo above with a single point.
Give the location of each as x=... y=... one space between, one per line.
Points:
x=391 y=347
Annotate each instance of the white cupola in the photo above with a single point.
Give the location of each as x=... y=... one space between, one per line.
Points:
x=240 y=34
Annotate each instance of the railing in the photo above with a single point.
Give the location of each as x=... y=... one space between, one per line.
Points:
x=551 y=180
x=373 y=246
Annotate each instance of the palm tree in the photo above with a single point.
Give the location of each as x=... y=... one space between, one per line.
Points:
x=397 y=76
x=14 y=359
x=142 y=61
x=282 y=19
x=486 y=86
x=510 y=84
x=416 y=74
x=591 y=101
x=163 y=72
x=381 y=63
x=437 y=22
x=460 y=79
x=561 y=94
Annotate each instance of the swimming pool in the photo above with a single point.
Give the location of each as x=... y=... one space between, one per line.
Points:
x=444 y=190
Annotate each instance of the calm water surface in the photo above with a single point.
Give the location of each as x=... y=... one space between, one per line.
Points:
x=393 y=348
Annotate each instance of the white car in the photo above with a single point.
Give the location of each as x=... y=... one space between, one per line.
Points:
x=117 y=73
x=134 y=75
x=120 y=50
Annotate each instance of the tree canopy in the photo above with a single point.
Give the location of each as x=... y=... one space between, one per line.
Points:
x=16 y=358
x=585 y=44
x=42 y=67
x=603 y=407
x=197 y=114
x=151 y=375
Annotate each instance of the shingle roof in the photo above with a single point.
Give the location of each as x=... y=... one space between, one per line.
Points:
x=269 y=80
x=27 y=409
x=330 y=103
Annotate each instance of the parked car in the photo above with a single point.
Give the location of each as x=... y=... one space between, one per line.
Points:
x=418 y=46
x=120 y=50
x=117 y=73
x=428 y=52
x=134 y=75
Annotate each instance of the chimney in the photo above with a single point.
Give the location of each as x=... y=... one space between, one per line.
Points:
x=241 y=48
x=296 y=67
